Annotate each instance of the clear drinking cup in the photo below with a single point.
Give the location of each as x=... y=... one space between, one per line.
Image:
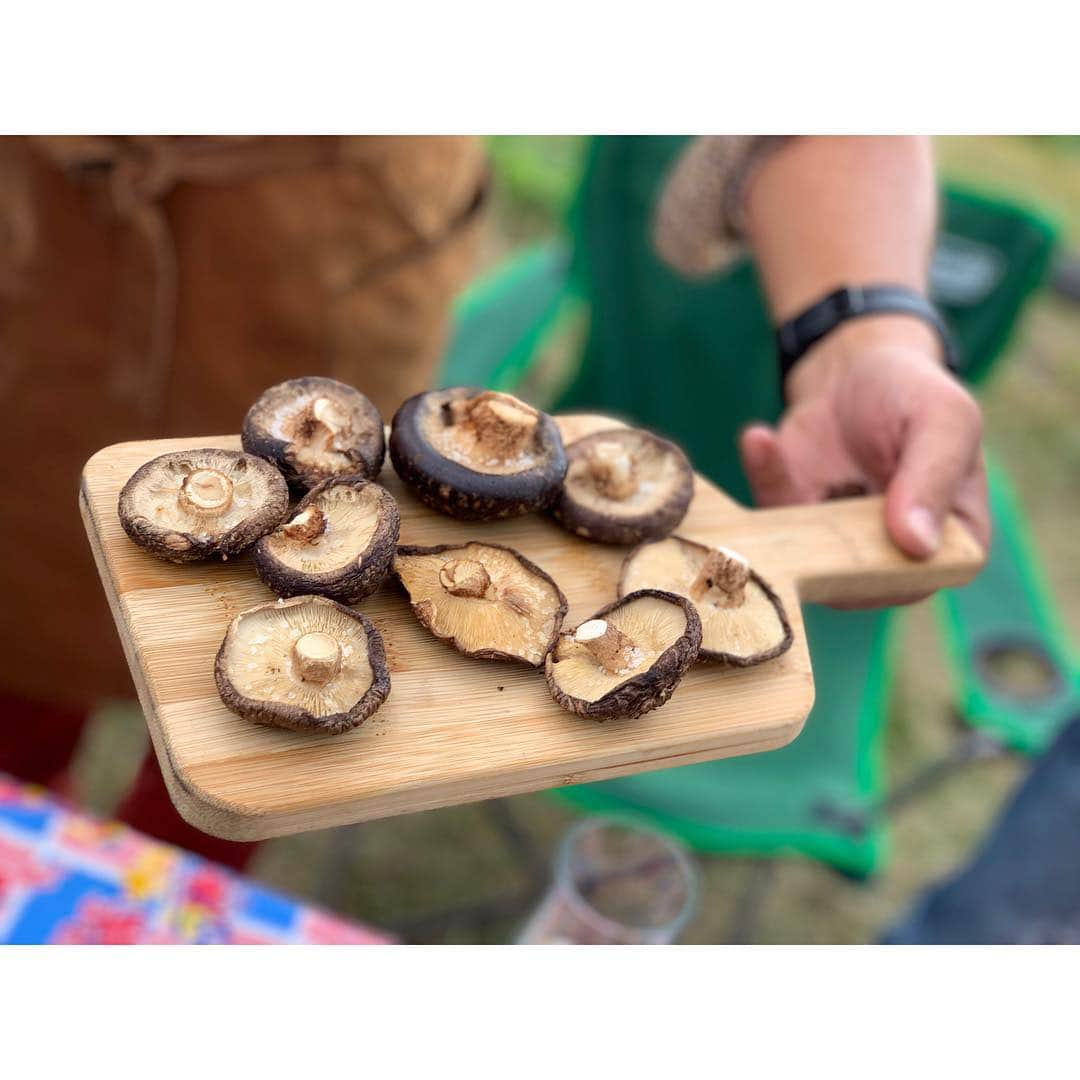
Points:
x=616 y=883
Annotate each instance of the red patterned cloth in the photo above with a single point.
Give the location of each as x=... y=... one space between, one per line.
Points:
x=70 y=879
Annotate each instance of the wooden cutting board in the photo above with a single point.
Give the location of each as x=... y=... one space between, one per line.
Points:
x=456 y=730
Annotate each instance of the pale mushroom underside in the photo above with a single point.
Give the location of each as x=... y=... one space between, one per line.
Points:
x=462 y=443
x=262 y=667
x=517 y=615
x=657 y=473
x=158 y=497
x=352 y=518
x=754 y=628
x=652 y=624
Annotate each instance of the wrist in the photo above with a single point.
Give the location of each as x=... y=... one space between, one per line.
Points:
x=856 y=339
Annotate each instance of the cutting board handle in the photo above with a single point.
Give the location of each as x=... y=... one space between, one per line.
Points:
x=839 y=552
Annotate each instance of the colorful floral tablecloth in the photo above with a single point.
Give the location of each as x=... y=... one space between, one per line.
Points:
x=67 y=878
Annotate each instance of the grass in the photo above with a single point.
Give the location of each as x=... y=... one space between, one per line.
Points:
x=395 y=871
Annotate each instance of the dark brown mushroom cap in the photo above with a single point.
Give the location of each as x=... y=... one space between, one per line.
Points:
x=309 y=442
x=201 y=504
x=749 y=633
x=664 y=633
x=511 y=611
x=435 y=453
x=646 y=499
x=338 y=542
x=264 y=675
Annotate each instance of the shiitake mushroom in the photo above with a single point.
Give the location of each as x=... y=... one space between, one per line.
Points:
x=623 y=486
x=743 y=621
x=307 y=664
x=626 y=659
x=314 y=428
x=477 y=455
x=201 y=504
x=339 y=542
x=486 y=600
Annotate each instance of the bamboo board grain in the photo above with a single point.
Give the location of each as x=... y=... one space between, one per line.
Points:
x=456 y=730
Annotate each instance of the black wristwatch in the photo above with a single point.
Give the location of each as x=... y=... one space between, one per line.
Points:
x=797 y=336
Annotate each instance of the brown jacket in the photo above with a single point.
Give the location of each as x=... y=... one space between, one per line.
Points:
x=154 y=286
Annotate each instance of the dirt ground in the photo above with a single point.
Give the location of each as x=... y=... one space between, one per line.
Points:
x=397 y=872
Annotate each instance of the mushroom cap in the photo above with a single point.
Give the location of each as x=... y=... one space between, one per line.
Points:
x=442 y=459
x=756 y=631
x=665 y=632
x=198 y=504
x=338 y=542
x=282 y=427
x=660 y=485
x=258 y=669
x=518 y=617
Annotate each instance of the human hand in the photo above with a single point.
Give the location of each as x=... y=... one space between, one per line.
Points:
x=872 y=406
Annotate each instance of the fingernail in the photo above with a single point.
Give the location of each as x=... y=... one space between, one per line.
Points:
x=922 y=524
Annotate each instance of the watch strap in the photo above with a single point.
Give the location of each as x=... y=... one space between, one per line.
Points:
x=797 y=336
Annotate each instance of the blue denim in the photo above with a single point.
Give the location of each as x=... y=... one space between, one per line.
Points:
x=1023 y=886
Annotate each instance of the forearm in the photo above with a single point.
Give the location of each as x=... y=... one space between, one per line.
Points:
x=870 y=403
x=823 y=212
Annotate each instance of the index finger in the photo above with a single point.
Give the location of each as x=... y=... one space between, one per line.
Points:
x=938 y=462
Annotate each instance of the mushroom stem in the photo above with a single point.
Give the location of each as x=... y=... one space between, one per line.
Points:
x=464 y=577
x=611 y=648
x=329 y=413
x=207 y=491
x=318 y=657
x=503 y=425
x=307 y=526
x=611 y=468
x=323 y=419
x=726 y=571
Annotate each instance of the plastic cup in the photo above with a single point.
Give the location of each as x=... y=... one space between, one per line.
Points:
x=615 y=883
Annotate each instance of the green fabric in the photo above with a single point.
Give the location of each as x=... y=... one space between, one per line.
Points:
x=1009 y=605
x=503 y=318
x=990 y=257
x=695 y=360
x=809 y=797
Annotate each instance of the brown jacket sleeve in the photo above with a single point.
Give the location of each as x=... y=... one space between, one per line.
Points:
x=154 y=286
x=698 y=227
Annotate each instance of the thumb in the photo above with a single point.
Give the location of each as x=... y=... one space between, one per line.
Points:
x=763 y=461
x=940 y=452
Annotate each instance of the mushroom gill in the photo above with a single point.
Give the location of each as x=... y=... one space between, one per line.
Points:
x=195 y=504
x=306 y=663
x=486 y=600
x=743 y=622
x=627 y=659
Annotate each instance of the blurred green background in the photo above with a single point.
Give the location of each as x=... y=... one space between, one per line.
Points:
x=394 y=872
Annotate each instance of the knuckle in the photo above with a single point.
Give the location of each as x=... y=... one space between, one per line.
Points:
x=963 y=409
x=972 y=415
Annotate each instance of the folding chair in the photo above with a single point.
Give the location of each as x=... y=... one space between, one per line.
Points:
x=694 y=360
